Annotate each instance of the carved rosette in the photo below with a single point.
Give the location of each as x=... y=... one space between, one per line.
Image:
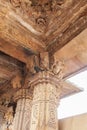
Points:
x=23 y=109
x=47 y=90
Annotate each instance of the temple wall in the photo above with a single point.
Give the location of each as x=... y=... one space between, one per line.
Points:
x=74 y=123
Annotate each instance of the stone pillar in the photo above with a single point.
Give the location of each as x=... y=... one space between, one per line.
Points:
x=1 y=119
x=2 y=114
x=23 y=110
x=46 y=97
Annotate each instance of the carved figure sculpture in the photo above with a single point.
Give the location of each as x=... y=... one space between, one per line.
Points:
x=58 y=69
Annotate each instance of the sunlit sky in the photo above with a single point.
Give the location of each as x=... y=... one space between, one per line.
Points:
x=76 y=104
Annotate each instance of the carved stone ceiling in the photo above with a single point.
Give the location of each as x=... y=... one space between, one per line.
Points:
x=39 y=13
x=47 y=24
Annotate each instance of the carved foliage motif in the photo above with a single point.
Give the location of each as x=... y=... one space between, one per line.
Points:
x=39 y=9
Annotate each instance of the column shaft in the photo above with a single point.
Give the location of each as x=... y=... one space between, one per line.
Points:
x=44 y=106
x=1 y=120
x=3 y=110
x=23 y=111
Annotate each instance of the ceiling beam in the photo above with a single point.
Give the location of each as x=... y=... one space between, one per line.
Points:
x=70 y=26
x=15 y=33
x=9 y=67
x=16 y=52
x=74 y=30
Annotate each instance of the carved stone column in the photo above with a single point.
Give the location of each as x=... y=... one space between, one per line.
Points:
x=2 y=120
x=23 y=110
x=46 y=97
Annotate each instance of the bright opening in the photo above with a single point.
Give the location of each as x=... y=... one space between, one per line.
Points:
x=76 y=104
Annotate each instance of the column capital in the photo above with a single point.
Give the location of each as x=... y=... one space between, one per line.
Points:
x=23 y=93
x=3 y=109
x=48 y=71
x=44 y=77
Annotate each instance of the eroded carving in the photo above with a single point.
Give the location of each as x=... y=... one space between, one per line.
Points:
x=15 y=3
x=9 y=117
x=58 y=69
x=17 y=81
x=41 y=64
x=38 y=9
x=44 y=61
